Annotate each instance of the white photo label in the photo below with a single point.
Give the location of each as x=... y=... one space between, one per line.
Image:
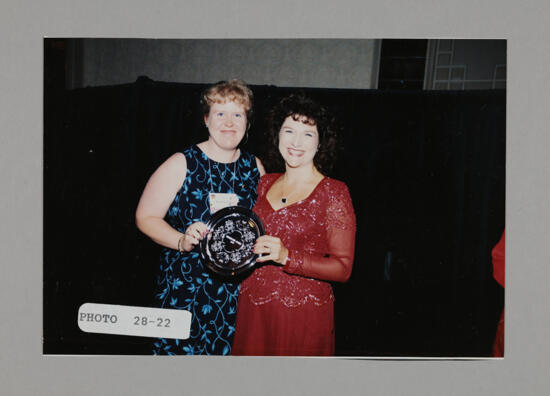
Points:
x=134 y=321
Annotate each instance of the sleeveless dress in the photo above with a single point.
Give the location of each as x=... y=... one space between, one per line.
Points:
x=183 y=281
x=285 y=310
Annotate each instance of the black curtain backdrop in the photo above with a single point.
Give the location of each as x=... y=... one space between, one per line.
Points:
x=426 y=172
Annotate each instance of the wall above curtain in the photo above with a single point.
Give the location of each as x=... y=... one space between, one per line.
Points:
x=324 y=63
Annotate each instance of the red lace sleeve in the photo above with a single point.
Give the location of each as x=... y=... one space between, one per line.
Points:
x=340 y=222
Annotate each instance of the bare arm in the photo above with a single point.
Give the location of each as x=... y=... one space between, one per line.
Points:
x=260 y=166
x=155 y=200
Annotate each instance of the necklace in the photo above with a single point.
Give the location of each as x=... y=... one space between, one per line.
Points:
x=285 y=197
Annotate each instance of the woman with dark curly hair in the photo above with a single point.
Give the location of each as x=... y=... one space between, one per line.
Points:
x=287 y=306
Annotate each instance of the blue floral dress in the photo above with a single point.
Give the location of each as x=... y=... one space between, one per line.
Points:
x=183 y=282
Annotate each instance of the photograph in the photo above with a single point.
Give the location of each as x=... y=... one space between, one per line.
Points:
x=299 y=197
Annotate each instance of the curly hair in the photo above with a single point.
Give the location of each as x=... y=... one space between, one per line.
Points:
x=304 y=109
x=234 y=90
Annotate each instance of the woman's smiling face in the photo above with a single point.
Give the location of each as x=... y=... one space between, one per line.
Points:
x=226 y=124
x=298 y=141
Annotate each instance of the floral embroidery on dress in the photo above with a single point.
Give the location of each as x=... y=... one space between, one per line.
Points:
x=183 y=281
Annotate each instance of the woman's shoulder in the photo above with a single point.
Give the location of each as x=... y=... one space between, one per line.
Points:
x=248 y=158
x=267 y=180
x=341 y=213
x=176 y=159
x=192 y=151
x=270 y=177
x=334 y=184
x=247 y=154
x=335 y=190
x=174 y=166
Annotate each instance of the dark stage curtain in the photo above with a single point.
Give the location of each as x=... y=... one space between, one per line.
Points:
x=426 y=171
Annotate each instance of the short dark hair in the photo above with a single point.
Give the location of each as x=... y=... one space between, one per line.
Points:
x=303 y=108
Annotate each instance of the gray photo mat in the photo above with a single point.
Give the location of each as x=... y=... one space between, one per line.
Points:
x=25 y=371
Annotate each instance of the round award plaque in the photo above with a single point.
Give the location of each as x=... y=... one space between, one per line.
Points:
x=227 y=248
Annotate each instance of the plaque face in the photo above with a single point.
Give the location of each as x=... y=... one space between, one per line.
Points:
x=227 y=248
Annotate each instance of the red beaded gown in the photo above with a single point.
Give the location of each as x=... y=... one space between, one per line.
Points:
x=289 y=310
x=498 y=255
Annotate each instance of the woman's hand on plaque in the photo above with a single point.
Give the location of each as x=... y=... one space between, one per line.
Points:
x=270 y=248
x=193 y=234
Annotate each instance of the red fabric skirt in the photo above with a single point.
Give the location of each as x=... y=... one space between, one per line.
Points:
x=272 y=329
